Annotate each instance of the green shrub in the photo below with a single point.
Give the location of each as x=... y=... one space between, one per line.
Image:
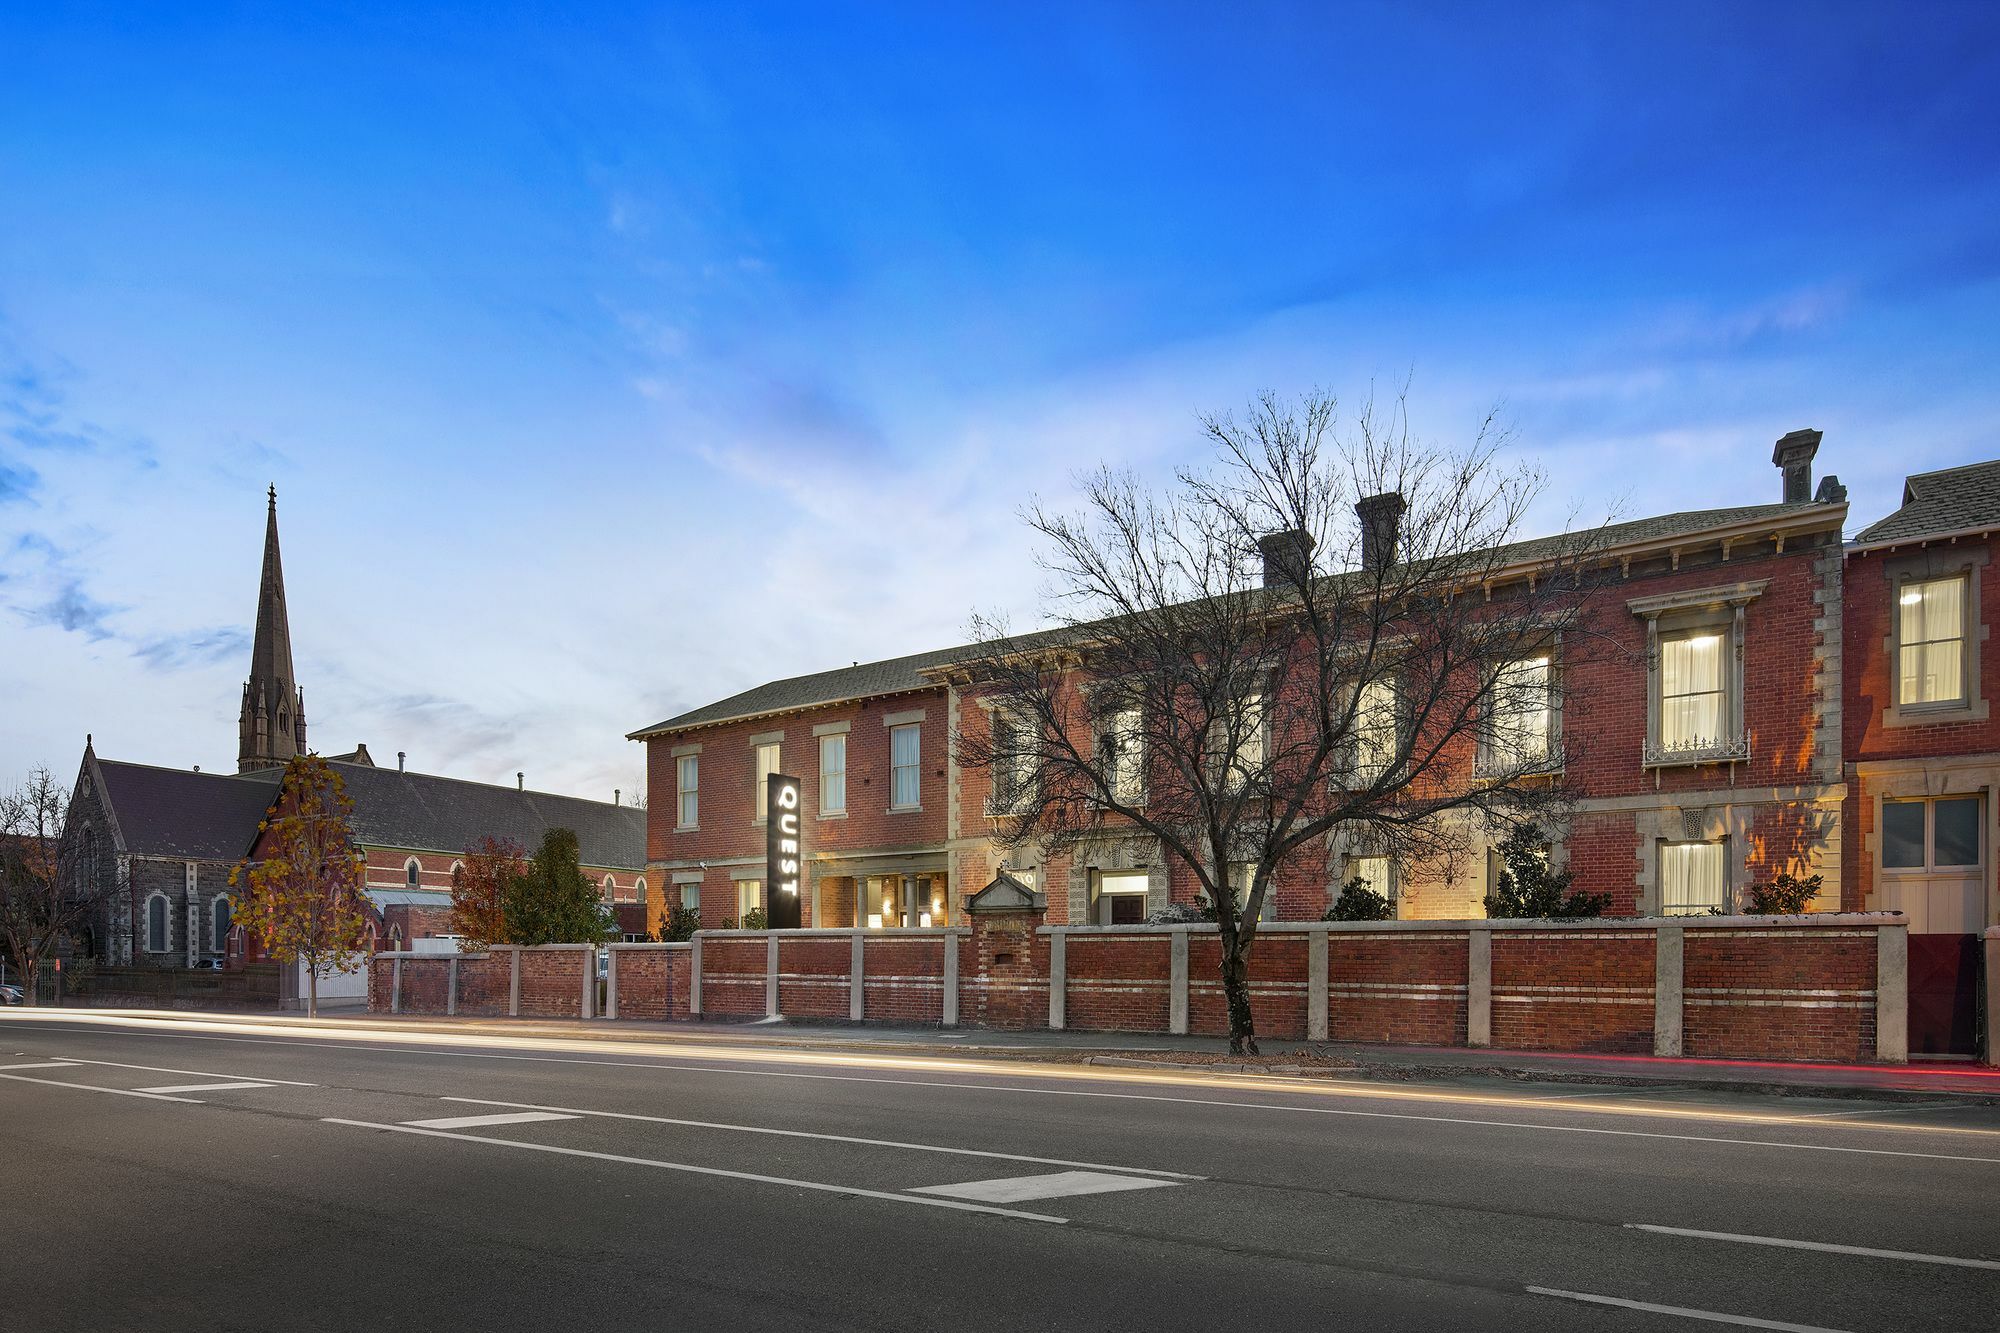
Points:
x=754 y=919
x=1358 y=902
x=1530 y=888
x=1787 y=895
x=681 y=924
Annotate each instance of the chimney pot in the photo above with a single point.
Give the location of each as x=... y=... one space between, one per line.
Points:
x=617 y=796
x=1793 y=455
x=1287 y=556
x=399 y=761
x=520 y=781
x=1381 y=528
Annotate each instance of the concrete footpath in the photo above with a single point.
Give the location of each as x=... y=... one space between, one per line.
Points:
x=1960 y=1081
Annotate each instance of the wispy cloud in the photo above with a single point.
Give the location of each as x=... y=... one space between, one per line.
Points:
x=176 y=652
x=74 y=610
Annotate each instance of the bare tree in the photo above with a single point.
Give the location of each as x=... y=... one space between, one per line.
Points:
x=1333 y=632
x=42 y=902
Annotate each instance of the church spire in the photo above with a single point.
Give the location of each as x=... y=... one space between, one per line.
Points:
x=272 y=726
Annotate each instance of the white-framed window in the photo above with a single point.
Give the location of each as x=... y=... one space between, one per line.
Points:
x=609 y=887
x=691 y=897
x=1930 y=641
x=905 y=765
x=1521 y=732
x=157 y=919
x=1375 y=730
x=769 y=760
x=1121 y=897
x=1376 y=873
x=833 y=775
x=221 y=918
x=1937 y=833
x=639 y=889
x=411 y=870
x=1694 y=691
x=1123 y=755
x=1693 y=877
x=749 y=898
x=1245 y=758
x=687 y=791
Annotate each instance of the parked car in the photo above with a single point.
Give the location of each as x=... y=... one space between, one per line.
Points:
x=12 y=994
x=207 y=965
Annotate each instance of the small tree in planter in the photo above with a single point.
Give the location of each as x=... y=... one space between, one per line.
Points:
x=1358 y=902
x=1530 y=888
x=1787 y=895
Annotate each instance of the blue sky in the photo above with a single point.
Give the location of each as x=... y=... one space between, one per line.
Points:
x=611 y=360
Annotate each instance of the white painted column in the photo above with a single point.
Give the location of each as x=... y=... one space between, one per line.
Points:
x=771 y=974
x=1177 y=984
x=1316 y=985
x=611 y=984
x=589 y=981
x=1058 y=968
x=950 y=979
x=451 y=986
x=395 y=985
x=857 y=994
x=1669 y=991
x=1479 y=987
x=1892 y=993
x=694 y=977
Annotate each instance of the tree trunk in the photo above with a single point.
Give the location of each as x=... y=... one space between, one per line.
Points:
x=31 y=979
x=1236 y=991
x=312 y=991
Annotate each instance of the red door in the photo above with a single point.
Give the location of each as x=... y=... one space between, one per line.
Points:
x=1944 y=995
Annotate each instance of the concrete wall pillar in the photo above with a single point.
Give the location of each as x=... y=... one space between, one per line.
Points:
x=771 y=974
x=514 y=983
x=611 y=984
x=1892 y=993
x=857 y=993
x=589 y=997
x=1058 y=975
x=1479 y=988
x=694 y=976
x=1669 y=994
x=395 y=985
x=451 y=986
x=950 y=979
x=1316 y=985
x=1177 y=984
x=1993 y=997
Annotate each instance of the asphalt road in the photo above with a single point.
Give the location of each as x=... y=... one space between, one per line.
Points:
x=170 y=1175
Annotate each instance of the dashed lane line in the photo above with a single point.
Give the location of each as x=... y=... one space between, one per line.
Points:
x=481 y=1121
x=197 y=1073
x=833 y=1138
x=206 y=1087
x=91 y=1087
x=1907 y=1256
x=852 y=1191
x=46 y=1064
x=1057 y=1185
x=1680 y=1311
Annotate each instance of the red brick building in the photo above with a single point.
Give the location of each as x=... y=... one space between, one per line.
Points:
x=1710 y=755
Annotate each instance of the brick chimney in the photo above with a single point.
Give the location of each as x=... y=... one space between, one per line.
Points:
x=1287 y=557
x=1793 y=455
x=1381 y=528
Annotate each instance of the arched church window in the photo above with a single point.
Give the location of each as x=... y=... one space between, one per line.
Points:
x=156 y=923
x=222 y=912
x=410 y=869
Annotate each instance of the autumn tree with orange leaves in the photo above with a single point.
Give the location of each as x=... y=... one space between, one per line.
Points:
x=479 y=890
x=303 y=901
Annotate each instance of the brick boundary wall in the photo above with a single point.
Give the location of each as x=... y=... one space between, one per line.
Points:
x=1821 y=987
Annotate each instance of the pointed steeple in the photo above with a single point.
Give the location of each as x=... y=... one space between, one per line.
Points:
x=272 y=726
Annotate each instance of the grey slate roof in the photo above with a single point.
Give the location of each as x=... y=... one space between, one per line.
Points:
x=424 y=812
x=178 y=813
x=1949 y=500
x=866 y=680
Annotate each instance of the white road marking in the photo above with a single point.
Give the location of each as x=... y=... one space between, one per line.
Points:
x=205 y=1087
x=1887 y=1110
x=87 y=1087
x=822 y=1187
x=47 y=1064
x=198 y=1073
x=477 y=1121
x=1909 y=1256
x=1707 y=1316
x=1061 y=1184
x=832 y=1138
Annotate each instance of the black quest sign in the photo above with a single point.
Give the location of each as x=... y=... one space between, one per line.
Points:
x=782 y=857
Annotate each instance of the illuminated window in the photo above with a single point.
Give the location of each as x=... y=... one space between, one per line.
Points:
x=749 y=898
x=905 y=759
x=768 y=762
x=1692 y=877
x=1375 y=739
x=691 y=897
x=687 y=790
x=1121 y=897
x=1241 y=755
x=1375 y=873
x=1692 y=693
x=833 y=775
x=1930 y=642
x=1521 y=716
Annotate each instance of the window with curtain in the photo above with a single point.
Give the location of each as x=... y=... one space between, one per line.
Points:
x=905 y=757
x=687 y=789
x=749 y=898
x=156 y=924
x=1522 y=713
x=1692 y=693
x=691 y=897
x=1015 y=761
x=1374 y=873
x=1123 y=756
x=833 y=775
x=1375 y=729
x=768 y=762
x=1691 y=877
x=1930 y=642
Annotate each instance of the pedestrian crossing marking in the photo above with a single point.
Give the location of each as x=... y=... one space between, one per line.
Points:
x=1056 y=1185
